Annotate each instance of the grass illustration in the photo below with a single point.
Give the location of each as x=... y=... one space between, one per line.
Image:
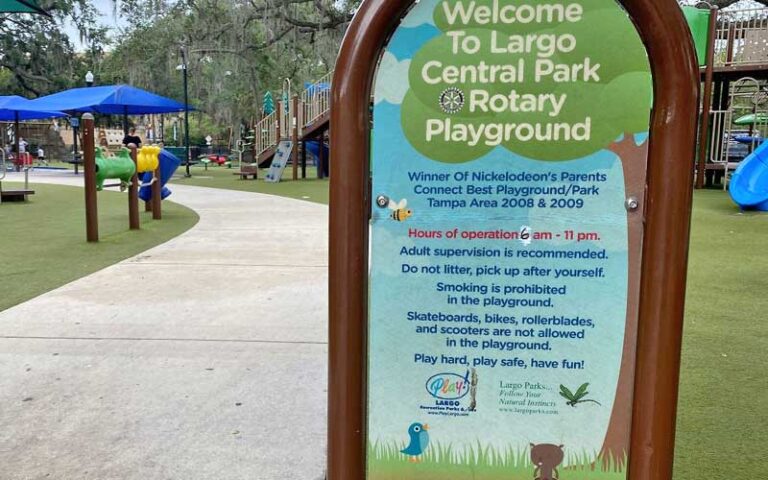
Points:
x=478 y=462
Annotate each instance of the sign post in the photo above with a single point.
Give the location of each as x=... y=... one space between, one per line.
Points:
x=509 y=245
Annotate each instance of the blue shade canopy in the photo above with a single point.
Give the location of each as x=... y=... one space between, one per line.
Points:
x=110 y=100
x=13 y=107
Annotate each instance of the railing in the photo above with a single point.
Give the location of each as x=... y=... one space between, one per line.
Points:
x=316 y=100
x=719 y=136
x=314 y=103
x=285 y=118
x=265 y=133
x=742 y=37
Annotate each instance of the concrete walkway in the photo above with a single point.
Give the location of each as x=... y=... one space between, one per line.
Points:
x=202 y=358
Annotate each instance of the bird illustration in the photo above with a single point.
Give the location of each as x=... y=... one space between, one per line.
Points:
x=418 y=443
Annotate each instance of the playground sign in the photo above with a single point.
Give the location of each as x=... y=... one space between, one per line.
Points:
x=503 y=235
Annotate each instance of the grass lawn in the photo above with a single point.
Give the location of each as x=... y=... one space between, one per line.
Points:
x=723 y=409
x=311 y=189
x=42 y=242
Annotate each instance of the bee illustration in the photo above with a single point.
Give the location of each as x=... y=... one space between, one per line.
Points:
x=399 y=212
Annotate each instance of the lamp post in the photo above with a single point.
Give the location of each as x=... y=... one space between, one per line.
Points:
x=75 y=122
x=183 y=68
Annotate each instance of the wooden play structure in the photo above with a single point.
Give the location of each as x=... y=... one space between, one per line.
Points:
x=298 y=120
x=734 y=72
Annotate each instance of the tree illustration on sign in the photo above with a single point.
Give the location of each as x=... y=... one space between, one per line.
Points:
x=517 y=74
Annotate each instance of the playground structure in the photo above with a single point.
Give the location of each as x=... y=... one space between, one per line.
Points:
x=733 y=55
x=298 y=125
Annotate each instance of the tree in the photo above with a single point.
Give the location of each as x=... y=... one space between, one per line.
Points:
x=237 y=50
x=39 y=57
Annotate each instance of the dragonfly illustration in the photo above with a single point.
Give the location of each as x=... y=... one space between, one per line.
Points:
x=578 y=397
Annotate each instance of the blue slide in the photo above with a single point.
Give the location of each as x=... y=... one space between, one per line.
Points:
x=168 y=165
x=313 y=147
x=749 y=183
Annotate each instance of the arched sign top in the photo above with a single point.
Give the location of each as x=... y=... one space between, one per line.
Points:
x=498 y=247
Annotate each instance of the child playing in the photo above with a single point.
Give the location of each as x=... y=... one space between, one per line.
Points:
x=41 y=156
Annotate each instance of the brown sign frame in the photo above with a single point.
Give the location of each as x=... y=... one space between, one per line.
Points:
x=668 y=197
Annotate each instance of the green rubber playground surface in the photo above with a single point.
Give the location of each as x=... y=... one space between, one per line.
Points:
x=42 y=241
x=310 y=189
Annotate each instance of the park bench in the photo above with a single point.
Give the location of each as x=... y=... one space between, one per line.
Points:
x=247 y=171
x=15 y=195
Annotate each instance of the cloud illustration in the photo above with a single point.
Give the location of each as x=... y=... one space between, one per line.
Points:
x=391 y=80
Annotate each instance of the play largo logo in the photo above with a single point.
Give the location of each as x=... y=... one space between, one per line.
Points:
x=448 y=386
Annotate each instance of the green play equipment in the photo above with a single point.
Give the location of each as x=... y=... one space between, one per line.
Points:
x=119 y=167
x=752 y=118
x=698 y=23
x=269 y=104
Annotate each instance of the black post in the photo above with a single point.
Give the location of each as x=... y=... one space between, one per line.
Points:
x=16 y=140
x=74 y=142
x=186 y=106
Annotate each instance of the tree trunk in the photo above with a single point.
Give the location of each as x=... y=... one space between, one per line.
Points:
x=634 y=159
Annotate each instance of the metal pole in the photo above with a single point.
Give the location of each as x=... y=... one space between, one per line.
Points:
x=89 y=178
x=186 y=106
x=133 y=194
x=295 y=136
x=16 y=141
x=76 y=153
x=321 y=156
x=156 y=195
x=706 y=102
x=2 y=170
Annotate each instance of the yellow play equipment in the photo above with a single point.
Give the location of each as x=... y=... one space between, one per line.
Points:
x=147 y=159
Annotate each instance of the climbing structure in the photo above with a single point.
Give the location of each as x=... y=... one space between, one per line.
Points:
x=732 y=45
x=303 y=118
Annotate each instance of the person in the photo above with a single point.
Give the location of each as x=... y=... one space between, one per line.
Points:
x=23 y=158
x=104 y=146
x=132 y=138
x=41 y=156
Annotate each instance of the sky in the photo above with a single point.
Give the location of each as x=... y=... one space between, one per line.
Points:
x=108 y=18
